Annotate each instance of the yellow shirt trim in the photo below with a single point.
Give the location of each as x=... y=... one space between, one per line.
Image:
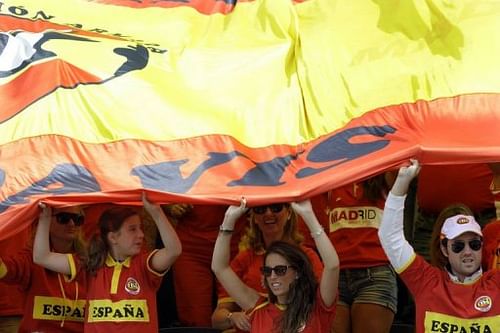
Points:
x=3 y=269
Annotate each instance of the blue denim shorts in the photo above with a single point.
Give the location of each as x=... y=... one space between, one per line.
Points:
x=374 y=285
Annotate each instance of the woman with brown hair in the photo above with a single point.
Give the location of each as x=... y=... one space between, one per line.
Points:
x=295 y=300
x=267 y=224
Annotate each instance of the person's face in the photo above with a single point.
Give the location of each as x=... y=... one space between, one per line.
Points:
x=65 y=223
x=280 y=277
x=128 y=240
x=271 y=220
x=464 y=254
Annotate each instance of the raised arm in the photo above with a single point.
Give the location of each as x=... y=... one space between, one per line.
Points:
x=245 y=296
x=42 y=255
x=330 y=277
x=390 y=232
x=165 y=257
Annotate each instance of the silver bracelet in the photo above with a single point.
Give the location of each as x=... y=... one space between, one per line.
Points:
x=317 y=233
x=225 y=230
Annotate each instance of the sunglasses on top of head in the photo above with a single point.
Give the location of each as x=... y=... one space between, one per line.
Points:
x=474 y=244
x=65 y=217
x=275 y=208
x=279 y=270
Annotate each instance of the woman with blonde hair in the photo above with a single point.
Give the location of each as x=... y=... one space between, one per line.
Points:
x=55 y=302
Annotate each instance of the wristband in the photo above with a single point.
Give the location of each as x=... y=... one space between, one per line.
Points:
x=317 y=233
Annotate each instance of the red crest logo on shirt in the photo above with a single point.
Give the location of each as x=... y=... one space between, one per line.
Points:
x=483 y=304
x=132 y=286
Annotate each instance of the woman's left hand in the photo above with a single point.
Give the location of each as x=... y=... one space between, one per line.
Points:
x=153 y=209
x=45 y=213
x=302 y=207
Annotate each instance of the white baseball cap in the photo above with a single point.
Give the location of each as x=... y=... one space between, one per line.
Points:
x=456 y=225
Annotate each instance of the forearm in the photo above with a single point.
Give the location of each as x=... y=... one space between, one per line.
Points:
x=42 y=255
x=323 y=244
x=41 y=247
x=391 y=232
x=222 y=250
x=172 y=245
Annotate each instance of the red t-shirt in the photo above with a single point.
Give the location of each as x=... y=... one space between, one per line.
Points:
x=351 y=222
x=446 y=306
x=198 y=229
x=122 y=296
x=491 y=248
x=247 y=266
x=266 y=314
x=442 y=185
x=11 y=295
x=54 y=302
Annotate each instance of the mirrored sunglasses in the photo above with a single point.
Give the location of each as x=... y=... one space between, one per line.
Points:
x=458 y=246
x=65 y=217
x=279 y=270
x=275 y=208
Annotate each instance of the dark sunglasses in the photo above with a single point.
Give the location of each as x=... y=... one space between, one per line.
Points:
x=280 y=270
x=459 y=246
x=275 y=208
x=65 y=217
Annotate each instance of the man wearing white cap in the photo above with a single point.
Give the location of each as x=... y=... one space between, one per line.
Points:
x=457 y=298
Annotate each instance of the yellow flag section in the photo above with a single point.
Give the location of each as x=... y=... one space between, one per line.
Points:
x=158 y=74
x=206 y=101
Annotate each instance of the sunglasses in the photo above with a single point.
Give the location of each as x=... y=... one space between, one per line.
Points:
x=65 y=217
x=459 y=246
x=279 y=270
x=275 y=208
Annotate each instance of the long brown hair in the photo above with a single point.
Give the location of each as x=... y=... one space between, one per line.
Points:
x=437 y=257
x=110 y=221
x=302 y=291
x=254 y=239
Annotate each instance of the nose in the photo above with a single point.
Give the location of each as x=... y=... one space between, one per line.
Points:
x=268 y=210
x=273 y=275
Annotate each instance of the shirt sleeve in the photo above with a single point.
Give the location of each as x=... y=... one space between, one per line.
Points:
x=391 y=234
x=17 y=269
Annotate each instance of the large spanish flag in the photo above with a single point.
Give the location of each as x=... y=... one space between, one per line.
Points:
x=206 y=101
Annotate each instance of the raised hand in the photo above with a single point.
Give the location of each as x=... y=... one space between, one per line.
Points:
x=233 y=213
x=302 y=207
x=404 y=178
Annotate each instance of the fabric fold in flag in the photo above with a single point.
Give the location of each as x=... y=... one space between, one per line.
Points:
x=207 y=101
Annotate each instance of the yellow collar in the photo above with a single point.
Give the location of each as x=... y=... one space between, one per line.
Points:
x=111 y=262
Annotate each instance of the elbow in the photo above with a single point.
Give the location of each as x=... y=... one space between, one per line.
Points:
x=38 y=259
x=381 y=237
x=214 y=268
x=217 y=268
x=177 y=251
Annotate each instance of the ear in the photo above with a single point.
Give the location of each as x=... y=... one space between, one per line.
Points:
x=111 y=237
x=444 y=250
